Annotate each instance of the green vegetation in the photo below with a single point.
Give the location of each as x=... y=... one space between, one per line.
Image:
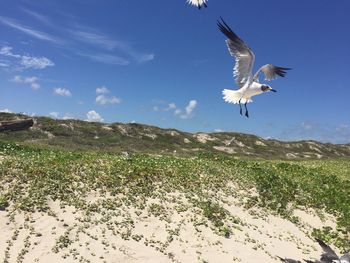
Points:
x=77 y=135
x=31 y=176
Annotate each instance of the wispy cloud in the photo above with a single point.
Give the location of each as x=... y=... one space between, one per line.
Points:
x=37 y=16
x=7 y=51
x=29 y=31
x=102 y=98
x=144 y=58
x=97 y=39
x=93 y=37
x=98 y=46
x=93 y=116
x=32 y=81
x=62 y=92
x=106 y=59
x=25 y=61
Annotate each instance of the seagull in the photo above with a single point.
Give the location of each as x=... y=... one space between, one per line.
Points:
x=248 y=83
x=198 y=3
x=329 y=256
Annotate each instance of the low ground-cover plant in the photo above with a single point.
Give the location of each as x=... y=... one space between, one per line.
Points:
x=30 y=176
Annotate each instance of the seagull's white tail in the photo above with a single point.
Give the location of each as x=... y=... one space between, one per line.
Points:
x=234 y=96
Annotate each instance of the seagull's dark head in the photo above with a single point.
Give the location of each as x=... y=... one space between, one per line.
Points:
x=266 y=88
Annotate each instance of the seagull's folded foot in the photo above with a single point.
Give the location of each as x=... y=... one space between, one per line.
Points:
x=240 y=111
x=246 y=114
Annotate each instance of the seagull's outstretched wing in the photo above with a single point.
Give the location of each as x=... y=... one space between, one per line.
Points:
x=198 y=3
x=271 y=72
x=243 y=54
x=329 y=255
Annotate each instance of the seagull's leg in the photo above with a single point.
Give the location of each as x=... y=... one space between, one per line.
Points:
x=240 y=107
x=246 y=110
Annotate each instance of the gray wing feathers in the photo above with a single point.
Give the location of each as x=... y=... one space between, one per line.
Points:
x=241 y=52
x=271 y=72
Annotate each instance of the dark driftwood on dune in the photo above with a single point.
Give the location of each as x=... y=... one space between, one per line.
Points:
x=16 y=125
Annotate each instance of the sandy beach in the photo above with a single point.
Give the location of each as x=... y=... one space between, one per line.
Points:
x=170 y=230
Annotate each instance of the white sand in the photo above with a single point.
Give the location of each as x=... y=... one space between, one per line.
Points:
x=176 y=232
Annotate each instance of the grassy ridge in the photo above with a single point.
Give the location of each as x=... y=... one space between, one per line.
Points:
x=30 y=176
x=78 y=135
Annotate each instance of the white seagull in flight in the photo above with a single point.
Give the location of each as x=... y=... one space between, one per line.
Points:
x=198 y=3
x=243 y=71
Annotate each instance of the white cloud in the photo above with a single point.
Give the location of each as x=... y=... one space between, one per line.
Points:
x=32 y=81
x=218 y=130
x=177 y=112
x=54 y=114
x=191 y=106
x=189 y=109
x=35 y=85
x=102 y=90
x=26 y=61
x=103 y=100
x=6 y=110
x=62 y=92
x=171 y=106
x=93 y=116
x=68 y=116
x=35 y=62
x=186 y=113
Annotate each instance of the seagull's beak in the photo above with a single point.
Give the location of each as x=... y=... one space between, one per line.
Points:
x=273 y=90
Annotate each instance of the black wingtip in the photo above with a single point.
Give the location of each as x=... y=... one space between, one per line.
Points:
x=225 y=29
x=321 y=242
x=282 y=259
x=281 y=71
x=202 y=5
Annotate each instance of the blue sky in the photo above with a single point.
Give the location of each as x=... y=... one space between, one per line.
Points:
x=165 y=63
